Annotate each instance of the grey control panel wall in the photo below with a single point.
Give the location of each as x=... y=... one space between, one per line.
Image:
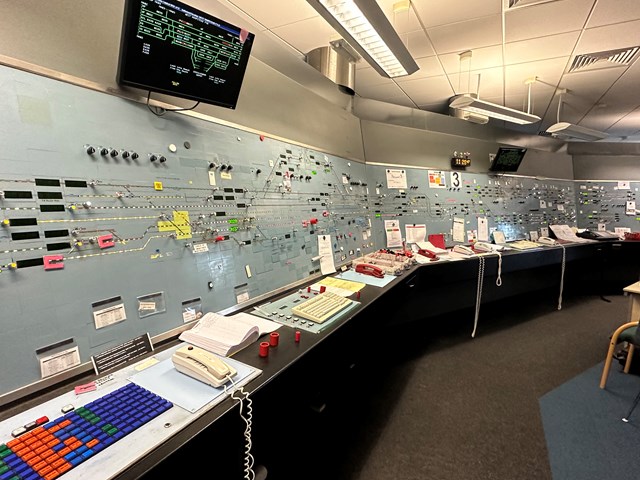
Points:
x=107 y=208
x=514 y=205
x=109 y=211
x=612 y=204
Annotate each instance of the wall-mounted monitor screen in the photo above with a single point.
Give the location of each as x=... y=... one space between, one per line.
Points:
x=507 y=159
x=172 y=48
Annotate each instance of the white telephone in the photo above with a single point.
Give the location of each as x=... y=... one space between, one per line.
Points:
x=483 y=247
x=463 y=249
x=547 y=241
x=202 y=365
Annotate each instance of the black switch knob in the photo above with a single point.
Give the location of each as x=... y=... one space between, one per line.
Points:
x=113 y=152
x=163 y=159
x=134 y=155
x=152 y=158
x=91 y=150
x=258 y=172
x=104 y=151
x=125 y=154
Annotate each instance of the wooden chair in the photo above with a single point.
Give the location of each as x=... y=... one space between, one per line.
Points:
x=624 y=333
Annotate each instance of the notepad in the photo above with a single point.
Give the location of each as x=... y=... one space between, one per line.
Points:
x=227 y=335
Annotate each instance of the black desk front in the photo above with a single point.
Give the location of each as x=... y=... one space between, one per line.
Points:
x=319 y=366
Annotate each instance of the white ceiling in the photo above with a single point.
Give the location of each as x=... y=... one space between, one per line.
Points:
x=509 y=45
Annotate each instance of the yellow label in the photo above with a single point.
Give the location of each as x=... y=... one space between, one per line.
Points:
x=179 y=224
x=157 y=185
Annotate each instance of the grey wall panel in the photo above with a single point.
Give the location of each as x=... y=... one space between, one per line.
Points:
x=387 y=143
x=82 y=40
x=606 y=167
x=515 y=205
x=609 y=203
x=265 y=212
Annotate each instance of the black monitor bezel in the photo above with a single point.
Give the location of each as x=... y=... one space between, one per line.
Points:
x=502 y=151
x=123 y=78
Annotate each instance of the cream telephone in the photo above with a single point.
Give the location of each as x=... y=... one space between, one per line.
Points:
x=547 y=241
x=463 y=249
x=482 y=247
x=202 y=365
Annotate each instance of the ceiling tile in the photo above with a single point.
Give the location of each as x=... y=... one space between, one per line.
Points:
x=429 y=67
x=548 y=72
x=542 y=48
x=275 y=13
x=306 y=35
x=418 y=44
x=481 y=58
x=614 y=11
x=546 y=19
x=402 y=22
x=438 y=12
x=472 y=34
x=611 y=37
x=426 y=90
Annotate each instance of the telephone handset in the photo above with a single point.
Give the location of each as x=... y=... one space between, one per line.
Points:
x=547 y=241
x=463 y=249
x=428 y=254
x=368 y=269
x=482 y=247
x=202 y=365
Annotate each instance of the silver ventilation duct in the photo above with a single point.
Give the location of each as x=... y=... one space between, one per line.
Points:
x=337 y=62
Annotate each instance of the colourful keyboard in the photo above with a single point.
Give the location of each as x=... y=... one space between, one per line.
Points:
x=56 y=447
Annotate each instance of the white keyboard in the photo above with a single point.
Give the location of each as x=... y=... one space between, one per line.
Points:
x=321 y=307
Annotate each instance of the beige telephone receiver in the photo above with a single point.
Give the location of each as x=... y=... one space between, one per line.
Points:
x=547 y=241
x=463 y=249
x=202 y=365
x=482 y=247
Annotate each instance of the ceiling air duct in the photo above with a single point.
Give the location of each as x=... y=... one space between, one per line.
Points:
x=337 y=62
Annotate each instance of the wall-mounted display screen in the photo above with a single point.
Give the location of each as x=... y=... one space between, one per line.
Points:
x=507 y=159
x=172 y=48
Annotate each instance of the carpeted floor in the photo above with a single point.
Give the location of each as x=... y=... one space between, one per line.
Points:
x=441 y=405
x=586 y=437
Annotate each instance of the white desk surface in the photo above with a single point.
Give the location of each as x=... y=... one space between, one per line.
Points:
x=114 y=459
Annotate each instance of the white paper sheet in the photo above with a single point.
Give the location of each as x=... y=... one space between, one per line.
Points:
x=394 y=235
x=415 y=233
x=458 y=230
x=325 y=250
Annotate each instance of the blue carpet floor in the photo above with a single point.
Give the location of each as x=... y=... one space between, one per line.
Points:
x=584 y=431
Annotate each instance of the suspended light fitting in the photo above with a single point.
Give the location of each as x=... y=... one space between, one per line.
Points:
x=570 y=131
x=364 y=25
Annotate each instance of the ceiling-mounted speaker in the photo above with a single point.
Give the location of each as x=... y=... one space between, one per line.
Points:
x=337 y=62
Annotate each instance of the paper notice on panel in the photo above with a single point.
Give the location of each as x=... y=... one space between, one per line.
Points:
x=483 y=229
x=437 y=179
x=415 y=233
x=396 y=178
x=325 y=251
x=458 y=230
x=394 y=235
x=631 y=208
x=59 y=362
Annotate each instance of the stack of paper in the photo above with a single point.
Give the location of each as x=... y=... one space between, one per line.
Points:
x=227 y=335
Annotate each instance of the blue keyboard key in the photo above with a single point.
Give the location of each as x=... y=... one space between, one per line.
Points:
x=124 y=410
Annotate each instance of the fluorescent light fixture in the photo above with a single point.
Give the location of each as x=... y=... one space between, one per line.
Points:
x=364 y=25
x=569 y=131
x=474 y=105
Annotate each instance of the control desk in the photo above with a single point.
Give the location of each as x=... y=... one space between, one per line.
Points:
x=159 y=435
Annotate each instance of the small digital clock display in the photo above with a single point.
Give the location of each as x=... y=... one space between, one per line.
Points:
x=460 y=162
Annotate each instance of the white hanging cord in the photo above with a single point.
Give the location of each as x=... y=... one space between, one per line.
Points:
x=478 y=294
x=249 y=474
x=499 y=279
x=564 y=258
